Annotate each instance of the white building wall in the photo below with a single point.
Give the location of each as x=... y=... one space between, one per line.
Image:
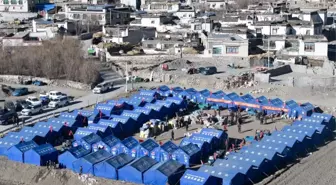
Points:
x=279 y=44
x=150 y=21
x=321 y=49
x=19 y=6
x=132 y=3
x=216 y=5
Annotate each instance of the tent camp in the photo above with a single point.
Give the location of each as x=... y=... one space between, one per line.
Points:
x=121 y=104
x=237 y=100
x=328 y=119
x=179 y=102
x=102 y=130
x=85 y=113
x=219 y=93
x=168 y=172
x=70 y=124
x=238 y=166
x=129 y=146
x=188 y=155
x=305 y=109
x=89 y=141
x=106 y=109
x=320 y=129
x=66 y=159
x=109 y=168
x=293 y=144
x=220 y=101
x=167 y=150
x=175 y=91
x=228 y=176
x=134 y=171
x=202 y=95
x=171 y=108
x=160 y=110
x=58 y=128
x=46 y=133
x=291 y=106
x=40 y=155
x=107 y=144
x=136 y=102
x=87 y=162
x=150 y=148
x=263 y=165
x=81 y=132
x=114 y=125
x=150 y=93
x=16 y=152
x=139 y=117
x=282 y=149
x=20 y=136
x=213 y=141
x=95 y=117
x=126 y=122
x=304 y=141
x=74 y=116
x=315 y=137
x=191 y=177
x=203 y=145
x=189 y=94
x=162 y=89
x=6 y=144
x=219 y=134
x=147 y=99
x=150 y=113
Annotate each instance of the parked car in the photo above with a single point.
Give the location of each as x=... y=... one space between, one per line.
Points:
x=38 y=83
x=33 y=100
x=101 y=88
x=209 y=70
x=18 y=105
x=8 y=116
x=59 y=102
x=20 y=91
x=51 y=94
x=31 y=110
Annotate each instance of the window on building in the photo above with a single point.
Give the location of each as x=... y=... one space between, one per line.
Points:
x=13 y=2
x=232 y=49
x=307 y=32
x=213 y=5
x=6 y=2
x=217 y=50
x=100 y=17
x=309 y=47
x=184 y=15
x=222 y=6
x=118 y=15
x=152 y=22
x=84 y=16
x=170 y=7
x=21 y=2
x=198 y=27
x=275 y=31
x=190 y=15
x=150 y=46
x=258 y=30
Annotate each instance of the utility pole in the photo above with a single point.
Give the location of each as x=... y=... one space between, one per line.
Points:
x=126 y=77
x=132 y=76
x=268 y=52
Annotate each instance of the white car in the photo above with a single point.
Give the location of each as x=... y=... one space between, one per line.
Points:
x=58 y=102
x=55 y=94
x=33 y=109
x=101 y=88
x=33 y=100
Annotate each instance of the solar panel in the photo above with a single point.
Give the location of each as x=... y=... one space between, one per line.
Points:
x=169 y=167
x=143 y=164
x=120 y=160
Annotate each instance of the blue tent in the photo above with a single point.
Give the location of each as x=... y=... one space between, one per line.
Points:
x=320 y=129
x=228 y=177
x=291 y=143
x=66 y=159
x=103 y=130
x=67 y=122
x=291 y=106
x=150 y=93
x=48 y=134
x=202 y=95
x=116 y=127
x=88 y=141
x=87 y=162
x=128 y=124
x=277 y=102
x=95 y=117
x=20 y=136
x=167 y=150
x=328 y=119
x=168 y=172
x=251 y=102
x=147 y=99
x=203 y=145
x=191 y=177
x=74 y=116
x=179 y=102
x=219 y=93
x=86 y=113
x=315 y=137
x=263 y=100
x=16 y=152
x=59 y=128
x=150 y=113
x=282 y=149
x=220 y=101
x=176 y=91
x=188 y=155
x=5 y=144
x=236 y=99
x=160 y=110
x=304 y=141
x=190 y=94
x=81 y=132
x=162 y=89
x=136 y=102
x=263 y=165
x=305 y=109
x=107 y=144
x=40 y=155
x=129 y=146
x=150 y=148
x=107 y=110
x=121 y=104
x=219 y=134
x=134 y=171
x=170 y=106
x=213 y=141
x=239 y=166
x=139 y=117
x=109 y=168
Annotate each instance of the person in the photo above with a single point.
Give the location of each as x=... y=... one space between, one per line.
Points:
x=261 y=120
x=187 y=125
x=172 y=135
x=225 y=121
x=239 y=124
x=80 y=170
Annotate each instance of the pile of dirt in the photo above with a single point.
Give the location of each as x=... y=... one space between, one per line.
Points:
x=15 y=173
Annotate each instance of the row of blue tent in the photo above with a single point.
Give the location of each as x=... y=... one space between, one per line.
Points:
x=233 y=100
x=262 y=158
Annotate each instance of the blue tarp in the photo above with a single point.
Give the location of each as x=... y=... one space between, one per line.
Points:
x=229 y=177
x=150 y=148
x=191 y=177
x=107 y=144
x=44 y=7
x=167 y=150
x=239 y=166
x=87 y=162
x=203 y=145
x=128 y=124
x=212 y=140
x=109 y=168
x=116 y=127
x=139 y=117
x=103 y=130
x=5 y=144
x=129 y=146
x=188 y=155
x=219 y=134
x=16 y=152
x=66 y=159
x=260 y=162
x=40 y=155
x=135 y=170
x=168 y=172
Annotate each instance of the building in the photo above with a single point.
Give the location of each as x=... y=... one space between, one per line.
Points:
x=132 y=3
x=157 y=6
x=215 y=4
x=222 y=44
x=199 y=25
x=20 y=39
x=185 y=14
x=130 y=34
x=97 y=14
x=17 y=5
